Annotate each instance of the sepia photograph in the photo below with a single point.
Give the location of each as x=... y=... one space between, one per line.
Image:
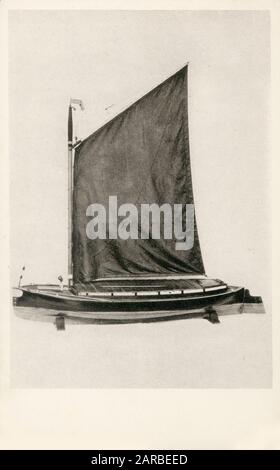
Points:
x=140 y=180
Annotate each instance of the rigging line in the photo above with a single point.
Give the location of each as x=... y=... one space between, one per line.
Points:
x=123 y=104
x=134 y=103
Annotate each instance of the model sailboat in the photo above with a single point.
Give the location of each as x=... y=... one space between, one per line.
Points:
x=138 y=160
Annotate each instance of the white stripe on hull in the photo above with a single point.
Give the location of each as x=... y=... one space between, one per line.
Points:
x=208 y=289
x=153 y=292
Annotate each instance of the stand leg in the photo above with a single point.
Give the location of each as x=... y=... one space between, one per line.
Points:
x=211 y=315
x=60 y=322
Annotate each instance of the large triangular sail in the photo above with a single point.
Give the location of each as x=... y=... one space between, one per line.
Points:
x=140 y=157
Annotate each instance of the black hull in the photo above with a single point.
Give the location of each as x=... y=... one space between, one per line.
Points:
x=59 y=307
x=61 y=301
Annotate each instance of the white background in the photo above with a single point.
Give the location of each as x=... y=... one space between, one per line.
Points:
x=109 y=58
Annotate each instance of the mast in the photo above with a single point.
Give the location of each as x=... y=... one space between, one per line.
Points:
x=71 y=146
x=70 y=190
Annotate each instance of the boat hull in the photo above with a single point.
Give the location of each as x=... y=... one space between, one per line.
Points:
x=56 y=300
x=60 y=307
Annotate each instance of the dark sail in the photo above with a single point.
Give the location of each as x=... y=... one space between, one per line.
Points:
x=142 y=157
